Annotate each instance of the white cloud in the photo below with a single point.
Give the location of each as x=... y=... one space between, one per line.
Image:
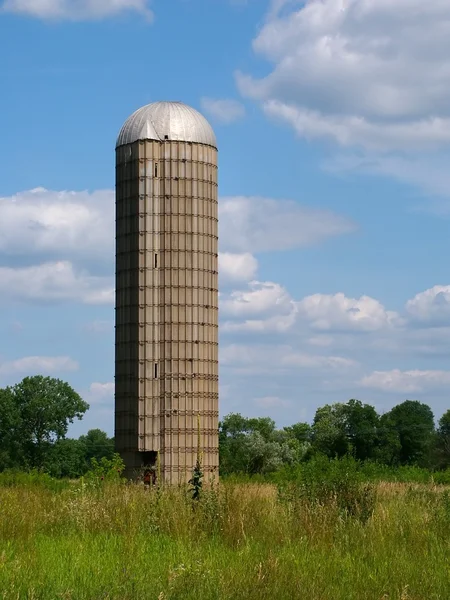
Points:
x=76 y=10
x=38 y=365
x=253 y=224
x=100 y=393
x=268 y=358
x=267 y=306
x=428 y=133
x=306 y=361
x=57 y=281
x=237 y=267
x=371 y=73
x=225 y=111
x=260 y=298
x=406 y=381
x=337 y=312
x=80 y=225
x=431 y=306
x=67 y=225
x=428 y=172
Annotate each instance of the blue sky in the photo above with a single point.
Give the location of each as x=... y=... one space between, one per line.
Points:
x=333 y=124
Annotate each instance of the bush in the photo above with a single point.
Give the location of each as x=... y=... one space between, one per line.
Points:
x=442 y=477
x=337 y=481
x=105 y=470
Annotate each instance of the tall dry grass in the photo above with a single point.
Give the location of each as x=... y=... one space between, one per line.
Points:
x=248 y=541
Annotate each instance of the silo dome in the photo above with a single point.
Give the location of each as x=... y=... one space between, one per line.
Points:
x=167 y=121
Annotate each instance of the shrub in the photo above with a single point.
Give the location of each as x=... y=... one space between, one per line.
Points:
x=105 y=470
x=338 y=481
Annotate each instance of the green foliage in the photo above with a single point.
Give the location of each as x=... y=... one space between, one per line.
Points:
x=341 y=429
x=442 y=442
x=196 y=482
x=10 y=447
x=96 y=444
x=361 y=427
x=389 y=446
x=105 y=469
x=255 y=446
x=328 y=431
x=414 y=423
x=336 y=481
x=299 y=431
x=34 y=414
x=66 y=458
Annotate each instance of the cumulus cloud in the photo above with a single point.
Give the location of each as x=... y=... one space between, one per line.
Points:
x=310 y=361
x=428 y=133
x=406 y=381
x=265 y=358
x=56 y=281
x=253 y=224
x=80 y=226
x=268 y=307
x=338 y=312
x=237 y=267
x=431 y=306
x=371 y=73
x=101 y=393
x=68 y=225
x=38 y=365
x=429 y=173
x=260 y=298
x=264 y=306
x=76 y=10
x=67 y=236
x=226 y=111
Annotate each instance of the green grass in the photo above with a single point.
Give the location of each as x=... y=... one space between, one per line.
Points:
x=241 y=541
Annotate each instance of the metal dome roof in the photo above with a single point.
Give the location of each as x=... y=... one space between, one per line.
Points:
x=167 y=121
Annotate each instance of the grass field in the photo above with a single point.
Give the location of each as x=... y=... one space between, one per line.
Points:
x=246 y=541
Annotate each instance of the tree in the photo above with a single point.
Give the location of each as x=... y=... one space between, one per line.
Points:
x=413 y=421
x=361 y=426
x=299 y=431
x=262 y=456
x=388 y=448
x=66 y=458
x=254 y=445
x=264 y=425
x=10 y=455
x=42 y=408
x=329 y=434
x=232 y=432
x=443 y=441
x=350 y=428
x=96 y=444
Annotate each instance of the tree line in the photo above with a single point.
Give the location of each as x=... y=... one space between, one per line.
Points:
x=34 y=419
x=406 y=435
x=35 y=415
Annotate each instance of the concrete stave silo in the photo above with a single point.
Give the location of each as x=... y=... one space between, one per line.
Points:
x=167 y=292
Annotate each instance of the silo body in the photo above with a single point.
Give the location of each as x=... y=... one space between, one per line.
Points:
x=166 y=375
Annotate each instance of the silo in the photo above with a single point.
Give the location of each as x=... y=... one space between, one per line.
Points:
x=166 y=362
